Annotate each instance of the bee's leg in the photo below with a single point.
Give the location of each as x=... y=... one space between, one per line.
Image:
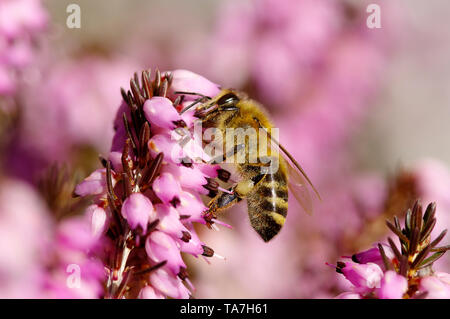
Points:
x=221 y=158
x=225 y=200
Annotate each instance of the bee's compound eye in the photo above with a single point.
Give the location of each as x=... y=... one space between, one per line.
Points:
x=228 y=100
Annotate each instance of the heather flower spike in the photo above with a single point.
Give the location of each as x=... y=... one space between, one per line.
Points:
x=151 y=191
x=403 y=270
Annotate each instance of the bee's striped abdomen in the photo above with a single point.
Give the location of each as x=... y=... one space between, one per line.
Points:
x=268 y=205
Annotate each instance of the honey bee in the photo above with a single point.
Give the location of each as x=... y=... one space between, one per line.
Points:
x=266 y=191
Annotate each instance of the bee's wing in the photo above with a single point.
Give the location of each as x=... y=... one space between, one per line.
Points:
x=299 y=188
x=299 y=182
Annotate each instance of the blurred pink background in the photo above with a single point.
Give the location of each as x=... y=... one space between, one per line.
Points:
x=363 y=110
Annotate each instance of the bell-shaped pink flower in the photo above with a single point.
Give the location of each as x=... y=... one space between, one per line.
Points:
x=138 y=210
x=194 y=246
x=76 y=234
x=99 y=219
x=392 y=286
x=187 y=81
x=168 y=285
x=169 y=220
x=162 y=247
x=94 y=184
x=365 y=276
x=373 y=255
x=348 y=295
x=435 y=287
x=161 y=112
x=191 y=206
x=149 y=293
x=173 y=153
x=167 y=188
x=189 y=177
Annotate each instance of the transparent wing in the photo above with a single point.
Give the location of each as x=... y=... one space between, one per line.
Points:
x=299 y=188
x=299 y=182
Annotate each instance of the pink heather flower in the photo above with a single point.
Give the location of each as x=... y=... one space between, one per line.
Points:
x=149 y=293
x=364 y=276
x=21 y=21
x=406 y=272
x=167 y=188
x=39 y=256
x=163 y=247
x=160 y=111
x=348 y=295
x=25 y=236
x=187 y=81
x=99 y=219
x=94 y=184
x=393 y=286
x=150 y=190
x=138 y=210
x=373 y=255
x=437 y=286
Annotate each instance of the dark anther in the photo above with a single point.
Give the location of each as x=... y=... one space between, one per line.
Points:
x=186 y=161
x=184 y=216
x=223 y=175
x=175 y=201
x=207 y=251
x=186 y=236
x=212 y=186
x=179 y=123
x=183 y=274
x=339 y=266
x=103 y=161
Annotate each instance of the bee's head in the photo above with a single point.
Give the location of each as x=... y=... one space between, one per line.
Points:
x=226 y=101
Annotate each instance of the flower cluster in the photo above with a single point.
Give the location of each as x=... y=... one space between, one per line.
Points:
x=147 y=196
x=20 y=22
x=43 y=259
x=390 y=272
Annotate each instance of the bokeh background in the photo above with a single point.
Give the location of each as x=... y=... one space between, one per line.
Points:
x=364 y=110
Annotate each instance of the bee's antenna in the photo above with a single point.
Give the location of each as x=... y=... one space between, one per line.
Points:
x=201 y=99
x=193 y=93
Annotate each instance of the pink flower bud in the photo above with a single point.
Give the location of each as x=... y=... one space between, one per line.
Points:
x=138 y=210
x=162 y=247
x=392 y=286
x=167 y=188
x=161 y=112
